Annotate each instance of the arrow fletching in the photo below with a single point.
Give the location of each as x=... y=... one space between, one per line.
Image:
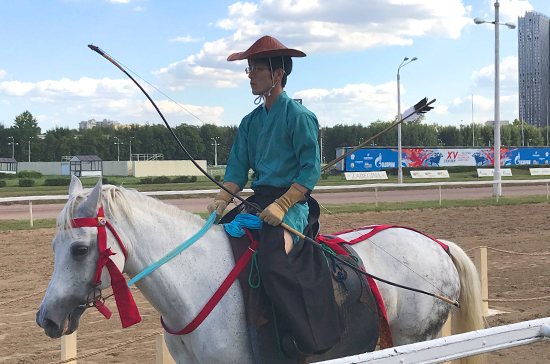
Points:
x=414 y=112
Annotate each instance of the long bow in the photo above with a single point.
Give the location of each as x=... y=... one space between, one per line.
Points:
x=101 y=52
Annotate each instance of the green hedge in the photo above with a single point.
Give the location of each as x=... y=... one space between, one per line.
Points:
x=26 y=182
x=29 y=174
x=8 y=175
x=185 y=179
x=161 y=180
x=57 y=182
x=2 y=183
x=146 y=181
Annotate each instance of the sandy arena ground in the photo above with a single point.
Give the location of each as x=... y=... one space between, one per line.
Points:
x=26 y=262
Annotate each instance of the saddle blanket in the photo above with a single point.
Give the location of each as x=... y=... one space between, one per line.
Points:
x=355 y=236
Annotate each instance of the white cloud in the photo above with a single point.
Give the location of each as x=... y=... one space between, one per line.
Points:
x=461 y=108
x=508 y=75
x=139 y=8
x=90 y=98
x=187 y=39
x=441 y=109
x=65 y=89
x=120 y=1
x=356 y=103
x=511 y=9
x=318 y=26
x=186 y=72
x=3 y=74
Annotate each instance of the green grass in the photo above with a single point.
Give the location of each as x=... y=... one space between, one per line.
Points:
x=344 y=208
x=25 y=224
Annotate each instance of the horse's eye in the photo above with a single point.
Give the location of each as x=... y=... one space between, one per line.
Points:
x=79 y=250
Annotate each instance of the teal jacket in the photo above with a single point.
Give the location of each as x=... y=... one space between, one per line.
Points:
x=281 y=147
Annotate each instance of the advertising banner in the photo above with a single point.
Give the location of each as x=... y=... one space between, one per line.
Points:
x=375 y=159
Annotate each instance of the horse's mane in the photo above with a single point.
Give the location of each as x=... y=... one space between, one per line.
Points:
x=117 y=202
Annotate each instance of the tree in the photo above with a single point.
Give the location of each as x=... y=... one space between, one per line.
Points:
x=25 y=126
x=449 y=136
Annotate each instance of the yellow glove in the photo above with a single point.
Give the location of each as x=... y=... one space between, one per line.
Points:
x=274 y=213
x=222 y=200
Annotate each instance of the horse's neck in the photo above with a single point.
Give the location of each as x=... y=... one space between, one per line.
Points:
x=180 y=288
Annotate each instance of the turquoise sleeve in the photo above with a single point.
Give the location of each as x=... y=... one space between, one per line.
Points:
x=305 y=131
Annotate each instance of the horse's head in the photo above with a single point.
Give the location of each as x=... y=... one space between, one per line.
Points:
x=76 y=253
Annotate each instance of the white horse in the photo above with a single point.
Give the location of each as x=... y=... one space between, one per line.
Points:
x=180 y=288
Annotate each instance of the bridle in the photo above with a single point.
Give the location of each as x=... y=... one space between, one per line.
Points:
x=127 y=308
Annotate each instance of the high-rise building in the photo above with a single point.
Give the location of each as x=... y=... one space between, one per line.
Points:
x=534 y=68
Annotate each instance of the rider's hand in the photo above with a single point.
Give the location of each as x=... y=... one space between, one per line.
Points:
x=274 y=213
x=222 y=199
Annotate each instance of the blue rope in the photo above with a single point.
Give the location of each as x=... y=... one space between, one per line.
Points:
x=235 y=227
x=176 y=251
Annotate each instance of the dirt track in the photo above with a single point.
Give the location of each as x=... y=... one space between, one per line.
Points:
x=26 y=259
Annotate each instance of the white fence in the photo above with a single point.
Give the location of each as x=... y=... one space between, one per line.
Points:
x=374 y=186
x=457 y=346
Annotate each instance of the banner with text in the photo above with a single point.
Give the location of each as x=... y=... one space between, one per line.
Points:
x=375 y=159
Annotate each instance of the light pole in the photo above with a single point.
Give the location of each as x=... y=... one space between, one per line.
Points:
x=473 y=127
x=215 y=144
x=497 y=188
x=399 y=151
x=131 y=147
x=13 y=144
x=118 y=143
x=30 y=149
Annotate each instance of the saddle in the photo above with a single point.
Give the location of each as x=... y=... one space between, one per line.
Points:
x=353 y=296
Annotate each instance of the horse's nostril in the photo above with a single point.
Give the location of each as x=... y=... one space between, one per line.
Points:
x=48 y=324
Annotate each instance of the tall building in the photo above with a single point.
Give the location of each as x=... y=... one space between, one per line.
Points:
x=92 y=123
x=534 y=68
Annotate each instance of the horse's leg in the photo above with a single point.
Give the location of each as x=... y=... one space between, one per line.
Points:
x=415 y=317
x=177 y=349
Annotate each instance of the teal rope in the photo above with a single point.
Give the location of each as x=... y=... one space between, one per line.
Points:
x=176 y=251
x=329 y=250
x=254 y=266
x=235 y=227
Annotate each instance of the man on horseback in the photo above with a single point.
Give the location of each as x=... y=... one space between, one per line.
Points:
x=278 y=140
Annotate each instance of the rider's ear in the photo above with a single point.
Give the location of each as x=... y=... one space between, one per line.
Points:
x=75 y=187
x=92 y=203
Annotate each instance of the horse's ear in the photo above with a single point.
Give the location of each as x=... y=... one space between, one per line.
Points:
x=92 y=203
x=75 y=187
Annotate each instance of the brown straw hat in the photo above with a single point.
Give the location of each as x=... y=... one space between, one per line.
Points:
x=266 y=47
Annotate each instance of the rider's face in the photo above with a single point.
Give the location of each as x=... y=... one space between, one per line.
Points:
x=260 y=80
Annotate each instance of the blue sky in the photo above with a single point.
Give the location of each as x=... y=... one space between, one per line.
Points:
x=349 y=76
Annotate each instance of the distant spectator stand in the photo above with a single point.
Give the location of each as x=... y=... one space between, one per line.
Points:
x=8 y=165
x=86 y=166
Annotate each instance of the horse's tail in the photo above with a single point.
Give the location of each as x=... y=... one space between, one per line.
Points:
x=470 y=315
